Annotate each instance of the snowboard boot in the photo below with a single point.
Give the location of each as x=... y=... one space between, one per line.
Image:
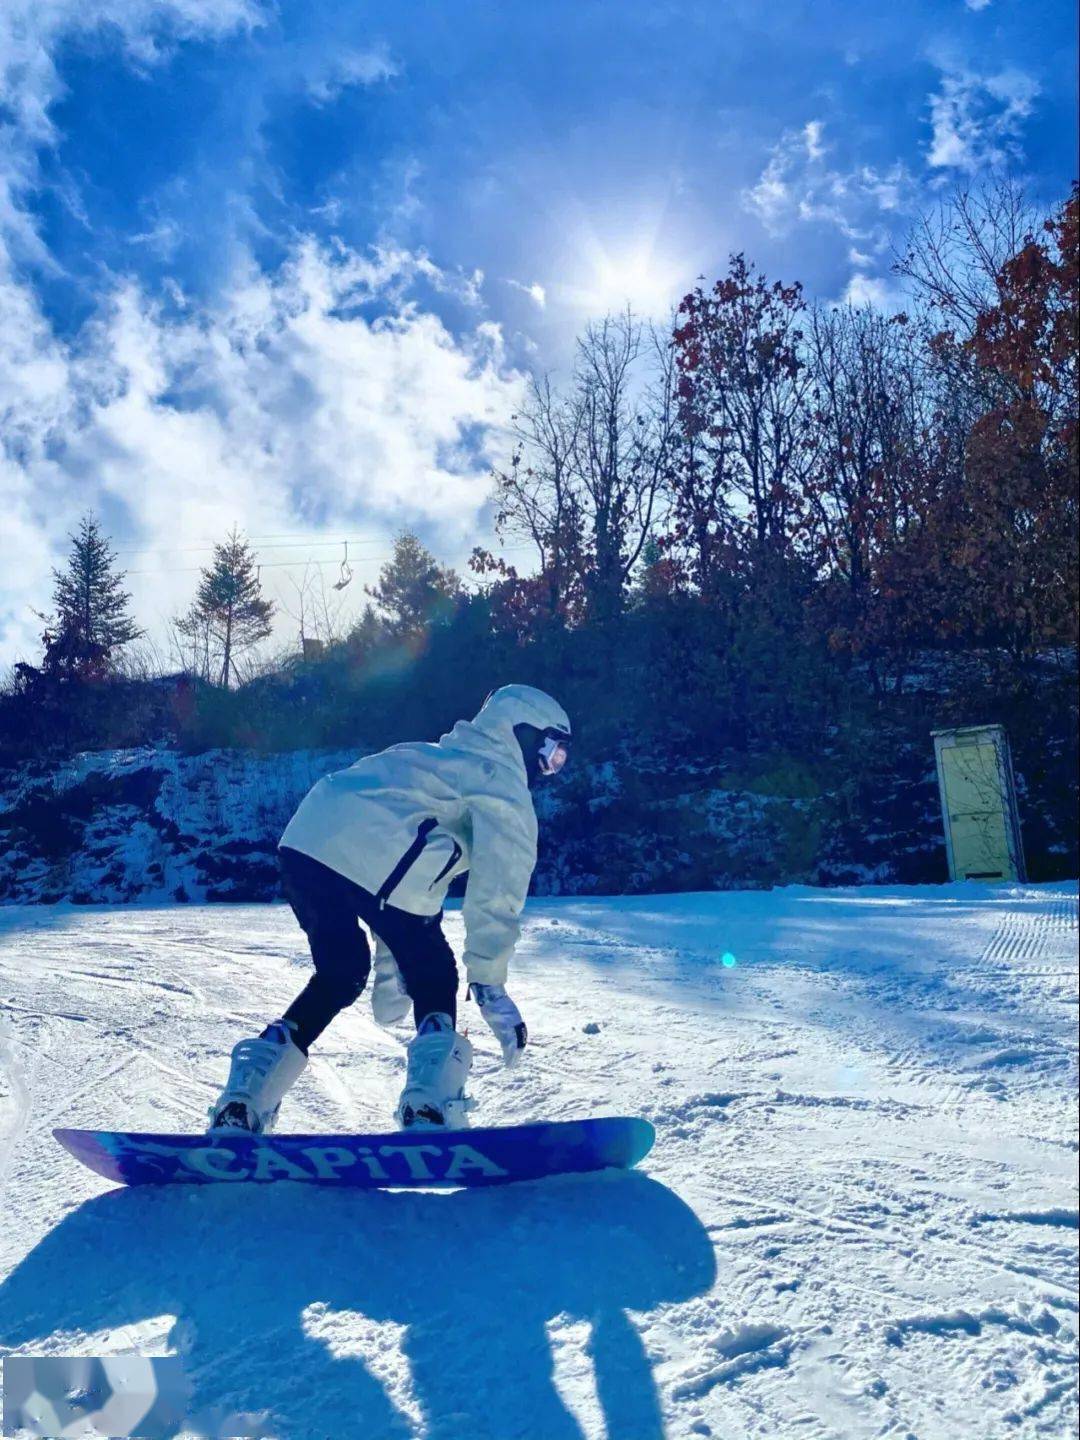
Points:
x=389 y=999
x=261 y=1072
x=434 y=1094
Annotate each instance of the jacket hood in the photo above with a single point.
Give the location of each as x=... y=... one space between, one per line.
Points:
x=520 y=705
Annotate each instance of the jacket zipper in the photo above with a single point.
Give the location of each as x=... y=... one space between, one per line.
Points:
x=407 y=861
x=455 y=856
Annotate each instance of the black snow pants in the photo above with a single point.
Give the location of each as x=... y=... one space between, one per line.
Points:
x=329 y=908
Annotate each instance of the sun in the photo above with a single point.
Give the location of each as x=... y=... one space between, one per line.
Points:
x=635 y=268
x=622 y=275
x=645 y=281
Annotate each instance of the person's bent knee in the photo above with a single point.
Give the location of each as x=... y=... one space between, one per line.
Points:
x=342 y=963
x=341 y=991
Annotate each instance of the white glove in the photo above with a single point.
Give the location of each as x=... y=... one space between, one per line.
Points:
x=389 y=999
x=503 y=1018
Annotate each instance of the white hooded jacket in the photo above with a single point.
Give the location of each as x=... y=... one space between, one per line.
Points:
x=403 y=823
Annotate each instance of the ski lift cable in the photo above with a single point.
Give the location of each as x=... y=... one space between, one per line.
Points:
x=290 y=565
x=299 y=542
x=294 y=564
x=284 y=564
x=269 y=565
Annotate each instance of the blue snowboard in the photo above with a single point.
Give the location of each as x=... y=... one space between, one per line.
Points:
x=420 y=1159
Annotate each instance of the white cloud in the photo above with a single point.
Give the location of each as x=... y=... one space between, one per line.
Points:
x=356 y=67
x=976 y=4
x=865 y=288
x=976 y=120
x=976 y=123
x=536 y=292
x=798 y=185
x=40 y=405
x=812 y=133
x=161 y=239
x=285 y=407
x=30 y=30
x=317 y=394
x=772 y=198
x=875 y=290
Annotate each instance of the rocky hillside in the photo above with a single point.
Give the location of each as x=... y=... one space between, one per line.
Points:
x=156 y=824
x=152 y=824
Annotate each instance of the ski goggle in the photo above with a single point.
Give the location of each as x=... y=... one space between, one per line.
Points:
x=554 y=753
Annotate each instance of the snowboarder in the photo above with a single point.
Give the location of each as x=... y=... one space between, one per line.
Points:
x=380 y=843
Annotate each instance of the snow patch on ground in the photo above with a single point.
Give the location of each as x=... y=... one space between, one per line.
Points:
x=859 y=1219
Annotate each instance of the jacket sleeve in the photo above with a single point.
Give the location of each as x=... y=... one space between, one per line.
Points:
x=502 y=862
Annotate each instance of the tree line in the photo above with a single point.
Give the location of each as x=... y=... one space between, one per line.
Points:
x=902 y=480
x=738 y=521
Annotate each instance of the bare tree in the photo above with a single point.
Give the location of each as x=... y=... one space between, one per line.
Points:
x=954 y=253
x=622 y=446
x=877 y=470
x=590 y=464
x=537 y=497
x=867 y=405
x=320 y=615
x=190 y=643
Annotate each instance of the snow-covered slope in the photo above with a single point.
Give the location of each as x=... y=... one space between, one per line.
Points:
x=860 y=1217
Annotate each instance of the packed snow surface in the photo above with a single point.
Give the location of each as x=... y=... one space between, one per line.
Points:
x=859 y=1219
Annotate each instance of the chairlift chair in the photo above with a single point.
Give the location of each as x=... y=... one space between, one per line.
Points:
x=346 y=571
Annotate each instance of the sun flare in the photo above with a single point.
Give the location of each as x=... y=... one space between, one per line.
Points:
x=638 y=273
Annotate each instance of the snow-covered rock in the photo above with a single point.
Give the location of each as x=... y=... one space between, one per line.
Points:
x=151 y=824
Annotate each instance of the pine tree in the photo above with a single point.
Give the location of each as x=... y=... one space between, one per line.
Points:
x=366 y=632
x=91 y=606
x=414 y=590
x=228 y=614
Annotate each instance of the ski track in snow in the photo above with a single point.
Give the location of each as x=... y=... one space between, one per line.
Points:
x=860 y=1218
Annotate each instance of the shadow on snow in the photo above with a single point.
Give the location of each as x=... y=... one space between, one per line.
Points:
x=255 y=1276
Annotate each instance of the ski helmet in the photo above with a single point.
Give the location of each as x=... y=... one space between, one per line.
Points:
x=539 y=724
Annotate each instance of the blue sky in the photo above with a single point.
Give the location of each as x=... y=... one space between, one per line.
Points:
x=285 y=266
